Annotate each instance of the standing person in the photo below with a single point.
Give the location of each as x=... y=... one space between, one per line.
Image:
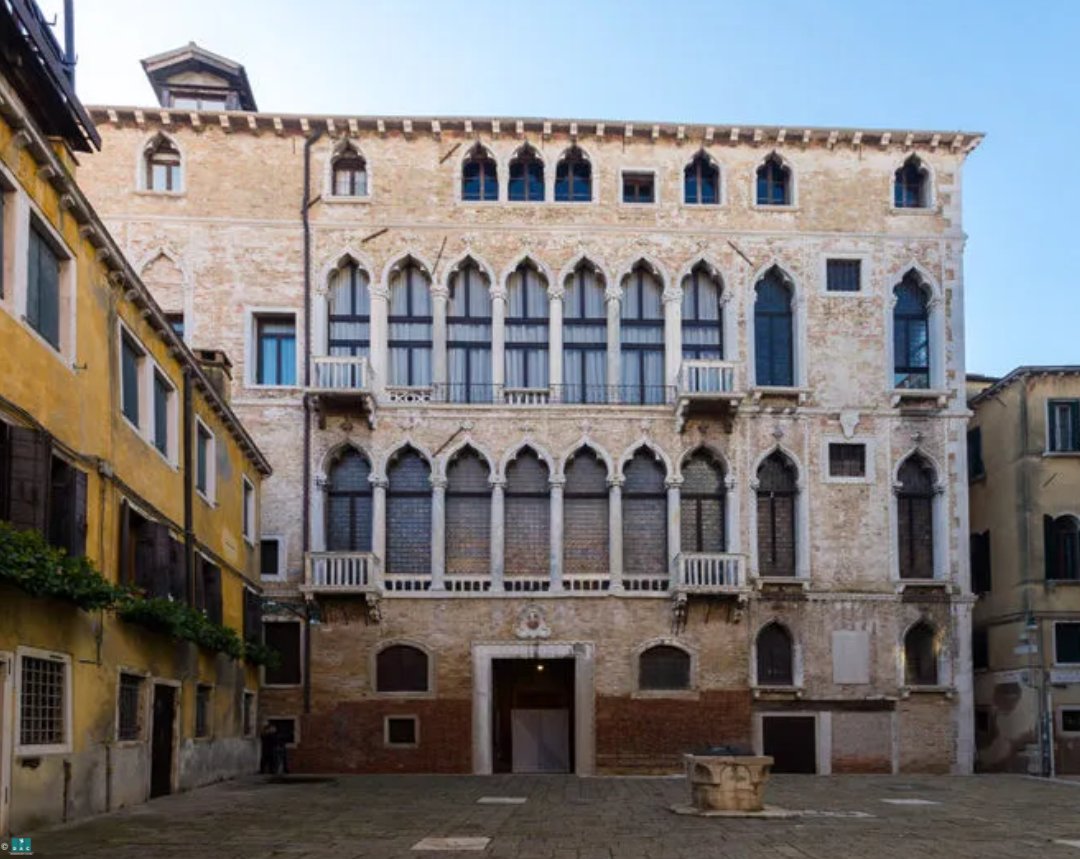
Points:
x=268 y=744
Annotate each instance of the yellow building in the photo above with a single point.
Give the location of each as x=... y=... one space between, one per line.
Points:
x=116 y=442
x=1024 y=468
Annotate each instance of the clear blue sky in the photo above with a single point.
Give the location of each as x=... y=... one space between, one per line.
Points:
x=1010 y=69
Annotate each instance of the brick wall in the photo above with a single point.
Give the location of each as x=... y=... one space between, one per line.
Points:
x=927 y=734
x=862 y=742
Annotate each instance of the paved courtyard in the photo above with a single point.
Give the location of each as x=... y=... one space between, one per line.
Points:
x=563 y=816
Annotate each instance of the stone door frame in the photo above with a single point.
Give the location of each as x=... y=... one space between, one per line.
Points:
x=584 y=656
x=7 y=738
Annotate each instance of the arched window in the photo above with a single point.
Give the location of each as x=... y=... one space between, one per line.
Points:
x=911 y=333
x=468 y=514
x=911 y=185
x=1062 y=547
x=410 y=326
x=642 y=338
x=773 y=182
x=585 y=514
x=777 y=488
x=573 y=177
x=408 y=515
x=163 y=165
x=349 y=312
x=468 y=336
x=664 y=668
x=774 y=349
x=775 y=657
x=348 y=504
x=528 y=516
x=349 y=173
x=526 y=176
x=527 y=328
x=702 y=500
x=401 y=668
x=479 y=178
x=920 y=656
x=702 y=315
x=915 y=518
x=644 y=509
x=701 y=181
x=584 y=336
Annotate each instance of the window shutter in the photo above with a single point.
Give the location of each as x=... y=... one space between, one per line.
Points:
x=200 y=589
x=61 y=505
x=145 y=557
x=252 y=616
x=33 y=283
x=78 y=535
x=177 y=571
x=1074 y=421
x=29 y=470
x=1049 y=547
x=212 y=589
x=124 y=570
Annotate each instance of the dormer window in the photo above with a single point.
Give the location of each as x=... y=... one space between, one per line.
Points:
x=198 y=101
x=911 y=186
x=350 y=174
x=163 y=166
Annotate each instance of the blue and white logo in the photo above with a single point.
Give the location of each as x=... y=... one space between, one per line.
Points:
x=21 y=847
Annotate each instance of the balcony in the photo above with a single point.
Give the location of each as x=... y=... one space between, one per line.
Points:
x=341 y=385
x=711 y=574
x=706 y=387
x=340 y=573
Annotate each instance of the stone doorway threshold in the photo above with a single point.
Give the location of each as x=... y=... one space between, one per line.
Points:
x=769 y=812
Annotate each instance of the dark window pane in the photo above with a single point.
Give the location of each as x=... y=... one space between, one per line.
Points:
x=664 y=668
x=130 y=357
x=401 y=731
x=775 y=662
x=847 y=460
x=285 y=639
x=162 y=389
x=269 y=557
x=843 y=275
x=401 y=668
x=920 y=656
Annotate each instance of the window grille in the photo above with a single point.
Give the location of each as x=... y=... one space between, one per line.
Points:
x=129 y=704
x=843 y=275
x=43 y=710
x=202 y=711
x=847 y=460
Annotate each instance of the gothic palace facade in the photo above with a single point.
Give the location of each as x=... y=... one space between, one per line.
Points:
x=593 y=443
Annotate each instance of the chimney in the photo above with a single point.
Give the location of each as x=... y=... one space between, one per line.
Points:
x=216 y=364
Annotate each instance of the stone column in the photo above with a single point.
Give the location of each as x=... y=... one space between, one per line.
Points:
x=674 y=526
x=615 y=541
x=557 y=484
x=380 y=333
x=498 y=532
x=317 y=515
x=438 y=532
x=378 y=526
x=498 y=341
x=614 y=328
x=439 y=298
x=672 y=335
x=555 y=341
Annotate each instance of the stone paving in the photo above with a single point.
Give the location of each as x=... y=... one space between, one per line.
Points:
x=564 y=817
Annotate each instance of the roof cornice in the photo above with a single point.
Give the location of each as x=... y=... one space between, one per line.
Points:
x=1024 y=372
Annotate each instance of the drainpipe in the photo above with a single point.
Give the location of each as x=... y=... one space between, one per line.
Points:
x=69 y=40
x=305 y=208
x=189 y=490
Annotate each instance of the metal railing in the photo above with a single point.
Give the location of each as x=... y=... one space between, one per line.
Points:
x=703 y=572
x=704 y=378
x=340 y=373
x=340 y=571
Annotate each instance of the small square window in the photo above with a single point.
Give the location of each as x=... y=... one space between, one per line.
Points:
x=1070 y=721
x=129 y=706
x=847 y=460
x=638 y=188
x=202 y=710
x=843 y=275
x=402 y=731
x=270 y=557
x=1067 y=643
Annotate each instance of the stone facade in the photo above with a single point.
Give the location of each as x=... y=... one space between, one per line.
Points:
x=231 y=244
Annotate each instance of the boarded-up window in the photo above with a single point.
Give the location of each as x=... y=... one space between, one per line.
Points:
x=644 y=501
x=284 y=637
x=468 y=515
x=775 y=657
x=664 y=667
x=408 y=539
x=776 y=516
x=702 y=503
x=401 y=668
x=920 y=656
x=43 y=288
x=348 y=504
x=585 y=514
x=915 y=519
x=528 y=515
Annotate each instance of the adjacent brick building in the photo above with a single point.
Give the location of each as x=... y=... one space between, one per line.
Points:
x=594 y=442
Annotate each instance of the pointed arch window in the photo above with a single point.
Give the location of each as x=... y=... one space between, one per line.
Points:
x=915 y=518
x=408 y=515
x=479 y=176
x=702 y=315
x=526 y=176
x=701 y=182
x=911 y=185
x=527 y=328
x=911 y=333
x=920 y=656
x=702 y=501
x=573 y=177
x=774 y=350
x=348 y=504
x=664 y=668
x=644 y=509
x=776 y=523
x=642 y=338
x=528 y=516
x=468 y=514
x=584 y=336
x=585 y=514
x=468 y=332
x=163 y=165
x=1062 y=548
x=349 y=312
x=775 y=657
x=349 y=170
x=773 y=182
x=410 y=326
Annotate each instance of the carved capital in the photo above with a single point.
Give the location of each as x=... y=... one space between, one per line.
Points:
x=616 y=482
x=438 y=482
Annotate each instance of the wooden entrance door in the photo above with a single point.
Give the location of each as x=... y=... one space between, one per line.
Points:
x=161 y=741
x=792 y=743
